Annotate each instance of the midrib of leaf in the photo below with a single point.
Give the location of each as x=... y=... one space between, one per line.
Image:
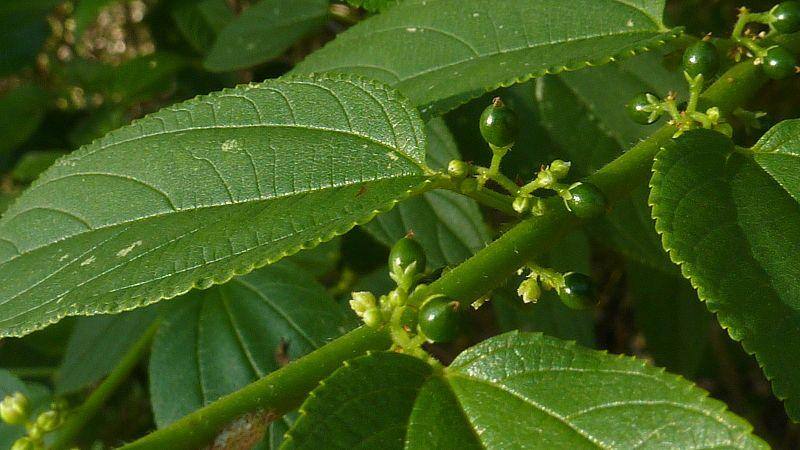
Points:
x=127 y=261
x=463 y=412
x=181 y=210
x=402 y=82
x=225 y=300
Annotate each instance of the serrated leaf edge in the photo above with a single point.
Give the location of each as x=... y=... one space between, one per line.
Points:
x=223 y=276
x=779 y=388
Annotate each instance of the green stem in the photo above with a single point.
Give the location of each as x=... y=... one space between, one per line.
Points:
x=286 y=388
x=78 y=418
x=279 y=392
x=492 y=199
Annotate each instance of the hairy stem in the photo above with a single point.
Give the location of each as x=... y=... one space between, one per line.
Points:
x=78 y=418
x=284 y=389
x=277 y=393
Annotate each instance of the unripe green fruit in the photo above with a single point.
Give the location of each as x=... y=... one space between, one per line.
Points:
x=786 y=17
x=439 y=319
x=779 y=63
x=499 y=124
x=586 y=201
x=701 y=58
x=578 y=291
x=636 y=109
x=405 y=252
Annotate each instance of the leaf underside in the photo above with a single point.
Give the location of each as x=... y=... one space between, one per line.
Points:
x=441 y=53
x=514 y=391
x=203 y=190
x=216 y=341
x=732 y=222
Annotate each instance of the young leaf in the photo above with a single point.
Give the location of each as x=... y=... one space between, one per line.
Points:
x=96 y=346
x=216 y=186
x=422 y=47
x=219 y=340
x=263 y=32
x=449 y=226
x=732 y=221
x=514 y=390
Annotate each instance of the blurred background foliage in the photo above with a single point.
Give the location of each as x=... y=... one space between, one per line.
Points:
x=72 y=71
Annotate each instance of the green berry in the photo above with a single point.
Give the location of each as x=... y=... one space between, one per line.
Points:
x=637 y=108
x=499 y=124
x=701 y=57
x=14 y=409
x=23 y=443
x=439 y=319
x=779 y=63
x=786 y=17
x=405 y=252
x=578 y=291
x=586 y=201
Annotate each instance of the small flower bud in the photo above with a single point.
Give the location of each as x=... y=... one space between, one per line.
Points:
x=529 y=290
x=458 y=169
x=560 y=168
x=48 y=421
x=372 y=318
x=362 y=302
x=521 y=204
x=14 y=409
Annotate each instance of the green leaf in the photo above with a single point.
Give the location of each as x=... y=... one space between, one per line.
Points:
x=98 y=344
x=217 y=341
x=264 y=31
x=31 y=164
x=675 y=325
x=593 y=101
x=449 y=226
x=25 y=29
x=511 y=391
x=732 y=221
x=374 y=5
x=219 y=185
x=201 y=21
x=549 y=315
x=441 y=53
x=21 y=111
